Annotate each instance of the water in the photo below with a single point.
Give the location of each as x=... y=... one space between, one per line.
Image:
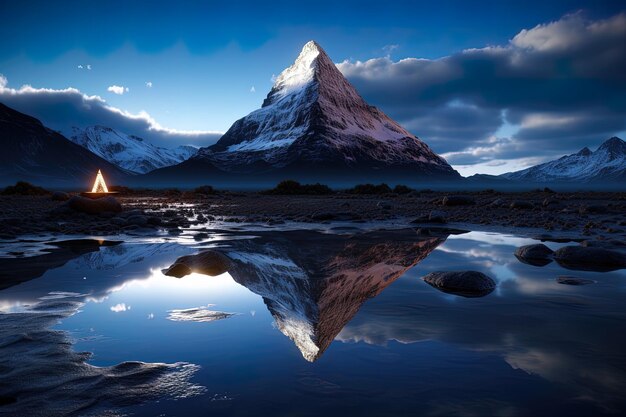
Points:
x=335 y=323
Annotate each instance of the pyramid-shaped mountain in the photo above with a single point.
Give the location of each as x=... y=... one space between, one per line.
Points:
x=314 y=126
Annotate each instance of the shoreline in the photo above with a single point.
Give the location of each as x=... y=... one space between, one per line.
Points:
x=540 y=214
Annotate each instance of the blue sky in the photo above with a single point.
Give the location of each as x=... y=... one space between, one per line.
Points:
x=210 y=63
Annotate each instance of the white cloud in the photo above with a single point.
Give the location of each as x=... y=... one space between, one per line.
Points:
x=117 y=308
x=64 y=108
x=118 y=89
x=388 y=49
x=80 y=67
x=252 y=89
x=88 y=66
x=149 y=84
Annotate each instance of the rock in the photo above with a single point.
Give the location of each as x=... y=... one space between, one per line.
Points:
x=133 y=212
x=498 y=202
x=201 y=236
x=593 y=209
x=458 y=200
x=520 y=204
x=137 y=220
x=570 y=280
x=94 y=206
x=590 y=258
x=323 y=216
x=209 y=262
x=537 y=254
x=60 y=196
x=177 y=270
x=155 y=221
x=423 y=232
x=437 y=216
x=463 y=283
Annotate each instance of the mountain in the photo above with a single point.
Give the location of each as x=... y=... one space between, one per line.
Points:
x=129 y=152
x=606 y=164
x=313 y=283
x=313 y=125
x=32 y=152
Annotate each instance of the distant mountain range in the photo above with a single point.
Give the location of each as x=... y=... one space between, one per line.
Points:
x=607 y=163
x=32 y=152
x=313 y=126
x=129 y=152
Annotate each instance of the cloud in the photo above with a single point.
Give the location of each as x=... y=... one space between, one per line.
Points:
x=80 y=67
x=118 y=308
x=65 y=108
x=252 y=89
x=88 y=67
x=118 y=89
x=388 y=49
x=561 y=84
x=149 y=84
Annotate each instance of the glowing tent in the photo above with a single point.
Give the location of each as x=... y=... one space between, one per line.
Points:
x=99 y=186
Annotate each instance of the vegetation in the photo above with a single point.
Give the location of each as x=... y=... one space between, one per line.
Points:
x=402 y=189
x=205 y=190
x=290 y=187
x=370 y=189
x=24 y=188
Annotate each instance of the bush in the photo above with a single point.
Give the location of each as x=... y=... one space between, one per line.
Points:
x=24 y=188
x=402 y=189
x=290 y=187
x=120 y=189
x=204 y=189
x=370 y=189
x=172 y=192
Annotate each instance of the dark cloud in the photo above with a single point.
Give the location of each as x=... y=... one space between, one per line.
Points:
x=62 y=109
x=563 y=84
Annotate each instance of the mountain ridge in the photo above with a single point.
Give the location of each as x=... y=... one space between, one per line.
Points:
x=606 y=163
x=128 y=152
x=33 y=152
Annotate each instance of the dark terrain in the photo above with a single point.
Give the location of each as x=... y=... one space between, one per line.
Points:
x=581 y=215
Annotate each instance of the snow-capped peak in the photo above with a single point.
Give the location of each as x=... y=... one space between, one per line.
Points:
x=129 y=152
x=301 y=72
x=608 y=162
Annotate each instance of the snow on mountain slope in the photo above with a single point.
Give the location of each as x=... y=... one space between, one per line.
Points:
x=313 y=116
x=127 y=151
x=608 y=162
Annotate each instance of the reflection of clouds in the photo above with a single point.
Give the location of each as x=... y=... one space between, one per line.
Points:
x=198 y=314
x=572 y=336
x=108 y=274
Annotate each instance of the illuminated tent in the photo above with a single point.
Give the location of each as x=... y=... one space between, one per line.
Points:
x=99 y=186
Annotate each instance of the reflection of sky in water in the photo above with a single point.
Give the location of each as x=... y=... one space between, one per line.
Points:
x=532 y=347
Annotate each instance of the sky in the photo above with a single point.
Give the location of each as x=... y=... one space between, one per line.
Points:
x=493 y=86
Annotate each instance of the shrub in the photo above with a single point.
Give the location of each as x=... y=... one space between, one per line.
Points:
x=24 y=188
x=204 y=189
x=402 y=189
x=120 y=189
x=370 y=189
x=290 y=187
x=172 y=192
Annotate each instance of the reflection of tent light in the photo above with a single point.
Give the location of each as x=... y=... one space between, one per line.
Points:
x=99 y=186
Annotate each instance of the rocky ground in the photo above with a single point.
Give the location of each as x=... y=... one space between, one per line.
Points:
x=591 y=216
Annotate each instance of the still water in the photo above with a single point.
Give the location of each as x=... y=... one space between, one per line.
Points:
x=307 y=323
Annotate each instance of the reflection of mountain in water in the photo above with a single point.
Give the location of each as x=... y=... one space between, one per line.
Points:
x=313 y=283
